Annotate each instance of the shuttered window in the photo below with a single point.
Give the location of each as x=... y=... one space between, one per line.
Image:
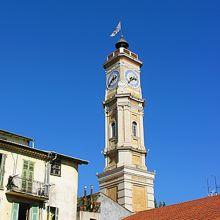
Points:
x=27 y=176
x=2 y=169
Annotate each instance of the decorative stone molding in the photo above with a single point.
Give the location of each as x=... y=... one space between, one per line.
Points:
x=21 y=150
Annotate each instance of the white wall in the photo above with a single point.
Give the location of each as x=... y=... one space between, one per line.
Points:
x=63 y=190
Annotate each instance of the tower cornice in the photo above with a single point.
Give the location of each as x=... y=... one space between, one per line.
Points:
x=119 y=54
x=128 y=95
x=124 y=148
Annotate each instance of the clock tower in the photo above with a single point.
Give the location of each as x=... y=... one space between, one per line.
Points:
x=125 y=178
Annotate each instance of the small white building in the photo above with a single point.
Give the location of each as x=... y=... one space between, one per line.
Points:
x=36 y=184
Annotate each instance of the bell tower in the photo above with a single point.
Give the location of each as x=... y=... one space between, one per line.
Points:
x=125 y=178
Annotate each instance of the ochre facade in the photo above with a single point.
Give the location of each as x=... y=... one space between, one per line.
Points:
x=125 y=177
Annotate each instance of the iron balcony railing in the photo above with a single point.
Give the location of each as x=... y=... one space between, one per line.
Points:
x=28 y=186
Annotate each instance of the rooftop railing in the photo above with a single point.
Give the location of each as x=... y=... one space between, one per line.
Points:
x=122 y=51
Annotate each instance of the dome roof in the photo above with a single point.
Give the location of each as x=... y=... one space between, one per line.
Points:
x=122 y=43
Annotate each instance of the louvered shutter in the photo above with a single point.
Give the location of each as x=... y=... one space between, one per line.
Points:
x=2 y=170
x=14 y=212
x=34 y=213
x=25 y=175
x=30 y=176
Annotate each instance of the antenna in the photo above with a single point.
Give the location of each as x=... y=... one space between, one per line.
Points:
x=208 y=187
x=213 y=189
x=216 y=185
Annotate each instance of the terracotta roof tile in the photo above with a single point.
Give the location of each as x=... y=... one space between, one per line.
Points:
x=207 y=208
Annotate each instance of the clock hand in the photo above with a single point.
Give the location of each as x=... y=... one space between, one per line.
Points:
x=132 y=78
x=112 y=80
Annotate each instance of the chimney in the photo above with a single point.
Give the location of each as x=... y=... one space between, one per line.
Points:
x=84 y=191
x=91 y=197
x=84 y=198
x=91 y=190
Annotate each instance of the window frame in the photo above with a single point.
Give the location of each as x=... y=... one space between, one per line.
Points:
x=57 y=163
x=113 y=127
x=56 y=212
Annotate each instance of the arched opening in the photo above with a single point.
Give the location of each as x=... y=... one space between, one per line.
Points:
x=134 y=129
x=113 y=129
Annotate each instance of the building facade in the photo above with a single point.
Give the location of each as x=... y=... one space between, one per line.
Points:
x=36 y=184
x=126 y=178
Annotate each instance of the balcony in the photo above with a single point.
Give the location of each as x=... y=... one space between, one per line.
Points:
x=27 y=188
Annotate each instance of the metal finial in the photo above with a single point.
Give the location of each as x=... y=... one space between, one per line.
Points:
x=122 y=43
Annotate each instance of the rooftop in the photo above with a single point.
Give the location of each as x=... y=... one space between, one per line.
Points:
x=207 y=208
x=9 y=134
x=20 y=141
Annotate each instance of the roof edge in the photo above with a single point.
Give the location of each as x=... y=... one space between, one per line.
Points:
x=16 y=135
x=77 y=160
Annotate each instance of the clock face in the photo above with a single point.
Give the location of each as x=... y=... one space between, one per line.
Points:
x=112 y=79
x=132 y=78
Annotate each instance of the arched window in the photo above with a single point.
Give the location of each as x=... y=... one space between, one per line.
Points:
x=134 y=129
x=113 y=129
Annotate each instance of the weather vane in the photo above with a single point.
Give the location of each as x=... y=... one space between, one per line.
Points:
x=117 y=30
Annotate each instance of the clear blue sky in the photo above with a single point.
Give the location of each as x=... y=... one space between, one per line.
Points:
x=52 y=82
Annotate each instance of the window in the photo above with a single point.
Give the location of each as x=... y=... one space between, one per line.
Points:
x=113 y=129
x=2 y=169
x=56 y=168
x=134 y=129
x=27 y=176
x=21 y=211
x=52 y=213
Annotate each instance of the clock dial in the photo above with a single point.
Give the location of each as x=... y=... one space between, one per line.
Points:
x=112 y=79
x=132 y=78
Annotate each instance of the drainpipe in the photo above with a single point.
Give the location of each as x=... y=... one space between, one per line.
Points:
x=48 y=168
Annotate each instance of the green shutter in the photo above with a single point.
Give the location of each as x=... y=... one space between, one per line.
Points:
x=34 y=213
x=2 y=170
x=14 y=212
x=30 y=176
x=27 y=176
